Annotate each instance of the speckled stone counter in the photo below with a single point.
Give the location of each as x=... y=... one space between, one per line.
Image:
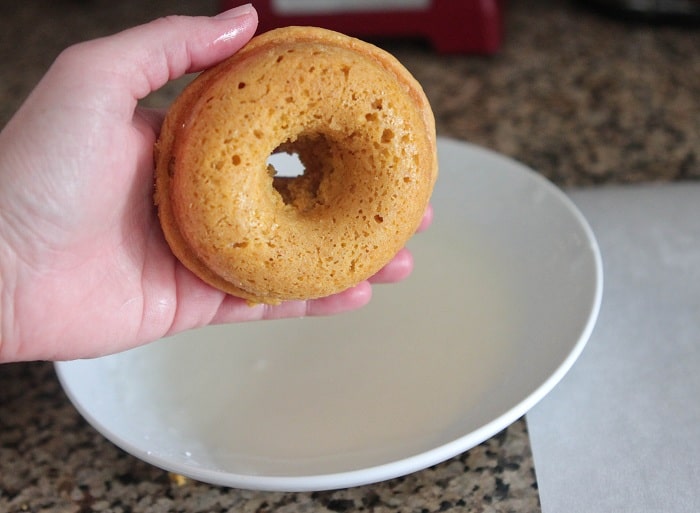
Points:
x=581 y=98
x=50 y=460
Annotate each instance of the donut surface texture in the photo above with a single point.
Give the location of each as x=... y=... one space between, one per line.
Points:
x=364 y=132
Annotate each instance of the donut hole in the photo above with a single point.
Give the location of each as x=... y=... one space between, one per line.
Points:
x=300 y=170
x=286 y=165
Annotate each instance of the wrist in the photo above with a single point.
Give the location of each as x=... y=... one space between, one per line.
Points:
x=6 y=294
x=7 y=287
x=3 y=300
x=8 y=243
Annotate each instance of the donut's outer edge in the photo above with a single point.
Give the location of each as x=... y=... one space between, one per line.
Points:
x=166 y=148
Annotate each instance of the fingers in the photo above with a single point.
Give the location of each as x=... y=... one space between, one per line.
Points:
x=348 y=300
x=427 y=219
x=398 y=269
x=234 y=309
x=401 y=265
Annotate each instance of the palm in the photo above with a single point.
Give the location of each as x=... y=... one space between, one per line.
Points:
x=102 y=271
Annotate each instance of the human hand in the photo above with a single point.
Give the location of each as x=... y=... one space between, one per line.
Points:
x=84 y=268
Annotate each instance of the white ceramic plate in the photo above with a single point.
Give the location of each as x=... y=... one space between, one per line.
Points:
x=504 y=295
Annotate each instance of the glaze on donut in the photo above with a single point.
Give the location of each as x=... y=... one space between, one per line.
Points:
x=362 y=128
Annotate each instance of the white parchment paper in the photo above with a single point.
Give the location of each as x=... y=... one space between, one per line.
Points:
x=621 y=432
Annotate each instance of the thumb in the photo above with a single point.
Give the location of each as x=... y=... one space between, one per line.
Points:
x=139 y=60
x=103 y=79
x=148 y=56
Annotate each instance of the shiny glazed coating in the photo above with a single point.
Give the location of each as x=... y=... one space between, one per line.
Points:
x=364 y=132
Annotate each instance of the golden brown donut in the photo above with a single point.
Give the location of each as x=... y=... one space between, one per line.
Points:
x=362 y=128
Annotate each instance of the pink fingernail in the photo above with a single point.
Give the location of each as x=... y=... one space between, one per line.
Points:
x=236 y=12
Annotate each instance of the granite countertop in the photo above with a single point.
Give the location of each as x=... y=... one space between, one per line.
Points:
x=584 y=99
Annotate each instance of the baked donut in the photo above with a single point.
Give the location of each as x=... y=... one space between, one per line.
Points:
x=364 y=132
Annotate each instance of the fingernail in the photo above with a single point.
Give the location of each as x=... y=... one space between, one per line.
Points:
x=236 y=12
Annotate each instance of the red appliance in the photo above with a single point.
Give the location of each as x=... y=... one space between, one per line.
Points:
x=451 y=26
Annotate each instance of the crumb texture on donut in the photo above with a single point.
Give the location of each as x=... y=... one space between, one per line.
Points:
x=364 y=132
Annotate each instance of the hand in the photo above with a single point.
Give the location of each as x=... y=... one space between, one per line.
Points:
x=84 y=268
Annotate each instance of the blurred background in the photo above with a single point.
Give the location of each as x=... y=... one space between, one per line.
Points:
x=585 y=92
